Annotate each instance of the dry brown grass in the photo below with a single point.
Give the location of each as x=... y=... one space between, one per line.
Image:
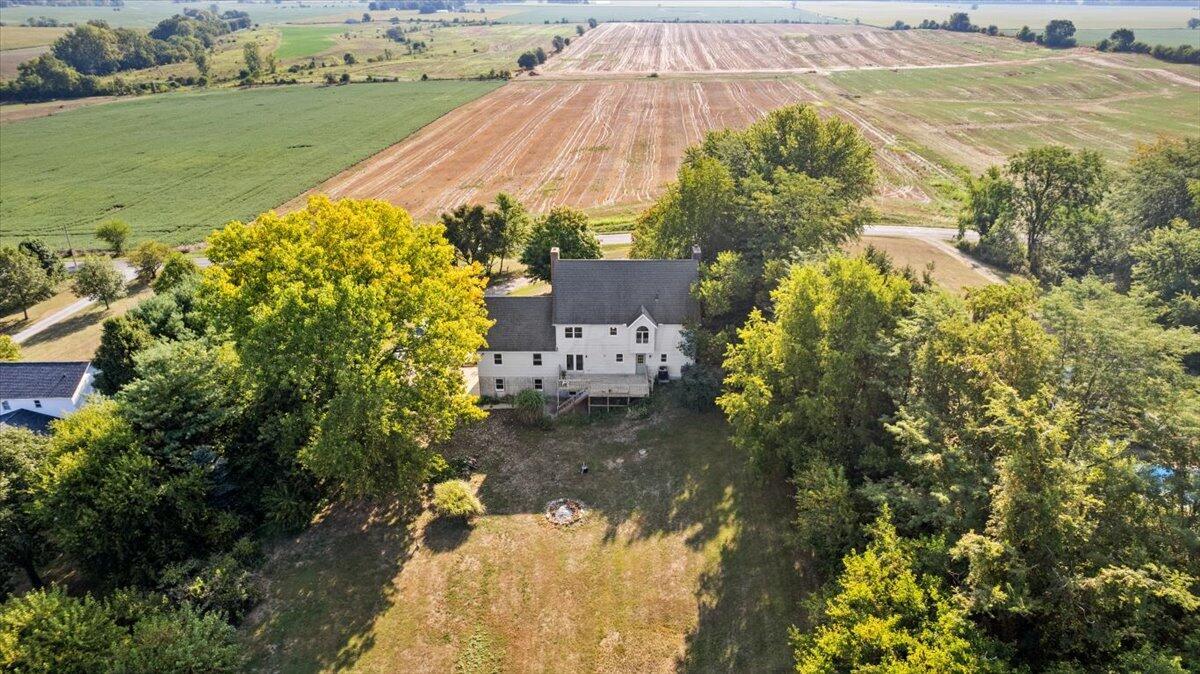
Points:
x=680 y=565
x=949 y=271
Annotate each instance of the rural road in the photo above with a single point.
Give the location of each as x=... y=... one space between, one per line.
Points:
x=69 y=310
x=936 y=236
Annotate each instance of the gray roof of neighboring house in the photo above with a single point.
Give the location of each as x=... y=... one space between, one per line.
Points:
x=41 y=380
x=612 y=291
x=34 y=421
x=522 y=324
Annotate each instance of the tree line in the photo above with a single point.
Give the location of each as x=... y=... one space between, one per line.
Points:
x=319 y=358
x=1005 y=481
x=77 y=61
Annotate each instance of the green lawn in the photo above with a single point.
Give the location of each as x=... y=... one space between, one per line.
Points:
x=301 y=41
x=175 y=166
x=681 y=565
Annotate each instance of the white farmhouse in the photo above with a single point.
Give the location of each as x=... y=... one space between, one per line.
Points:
x=33 y=393
x=608 y=330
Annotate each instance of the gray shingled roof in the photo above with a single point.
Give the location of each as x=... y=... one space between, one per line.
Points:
x=522 y=324
x=614 y=291
x=34 y=421
x=41 y=380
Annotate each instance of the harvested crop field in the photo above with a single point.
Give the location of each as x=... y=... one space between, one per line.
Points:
x=664 y=48
x=595 y=145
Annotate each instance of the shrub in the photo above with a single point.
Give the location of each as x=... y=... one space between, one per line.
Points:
x=699 y=387
x=224 y=583
x=530 y=407
x=454 y=498
x=48 y=631
x=183 y=640
x=9 y=350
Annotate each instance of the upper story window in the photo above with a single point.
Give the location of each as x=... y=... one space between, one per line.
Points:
x=612 y=330
x=642 y=336
x=37 y=403
x=575 y=332
x=620 y=357
x=498 y=358
x=6 y=406
x=537 y=359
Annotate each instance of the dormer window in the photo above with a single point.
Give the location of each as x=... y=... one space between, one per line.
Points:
x=642 y=336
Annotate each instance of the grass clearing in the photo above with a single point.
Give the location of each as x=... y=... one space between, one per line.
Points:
x=1172 y=37
x=681 y=564
x=22 y=37
x=175 y=166
x=302 y=41
x=949 y=271
x=1014 y=15
x=15 y=321
x=78 y=337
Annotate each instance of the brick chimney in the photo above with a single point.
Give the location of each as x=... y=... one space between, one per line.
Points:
x=696 y=252
x=553 y=262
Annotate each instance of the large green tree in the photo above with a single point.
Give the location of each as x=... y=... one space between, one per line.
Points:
x=563 y=228
x=362 y=320
x=23 y=543
x=122 y=509
x=814 y=379
x=885 y=618
x=791 y=182
x=98 y=280
x=23 y=281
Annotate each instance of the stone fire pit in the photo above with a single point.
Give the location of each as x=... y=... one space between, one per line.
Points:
x=564 y=511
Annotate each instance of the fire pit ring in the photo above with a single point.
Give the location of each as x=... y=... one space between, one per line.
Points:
x=564 y=512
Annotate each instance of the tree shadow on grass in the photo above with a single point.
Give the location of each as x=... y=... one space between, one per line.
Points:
x=446 y=534
x=86 y=318
x=672 y=473
x=328 y=586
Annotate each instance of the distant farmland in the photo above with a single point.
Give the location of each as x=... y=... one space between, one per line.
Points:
x=597 y=131
x=176 y=166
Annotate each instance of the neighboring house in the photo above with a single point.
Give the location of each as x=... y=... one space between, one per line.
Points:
x=608 y=328
x=50 y=389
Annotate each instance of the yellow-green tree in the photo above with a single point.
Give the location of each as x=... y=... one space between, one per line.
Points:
x=360 y=320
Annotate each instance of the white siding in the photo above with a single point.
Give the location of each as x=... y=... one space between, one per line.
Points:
x=55 y=407
x=518 y=372
x=600 y=347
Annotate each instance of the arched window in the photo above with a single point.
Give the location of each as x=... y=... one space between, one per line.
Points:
x=642 y=336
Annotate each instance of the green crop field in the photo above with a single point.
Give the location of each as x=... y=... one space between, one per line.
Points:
x=146 y=13
x=1009 y=15
x=661 y=12
x=176 y=166
x=1172 y=37
x=301 y=41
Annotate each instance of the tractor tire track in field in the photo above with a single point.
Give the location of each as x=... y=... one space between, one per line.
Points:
x=604 y=126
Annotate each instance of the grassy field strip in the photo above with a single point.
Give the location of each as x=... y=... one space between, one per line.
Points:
x=1010 y=15
x=1169 y=36
x=664 y=12
x=146 y=13
x=302 y=41
x=21 y=37
x=176 y=166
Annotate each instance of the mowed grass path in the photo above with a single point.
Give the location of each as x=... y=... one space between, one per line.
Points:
x=176 y=166
x=300 y=41
x=682 y=564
